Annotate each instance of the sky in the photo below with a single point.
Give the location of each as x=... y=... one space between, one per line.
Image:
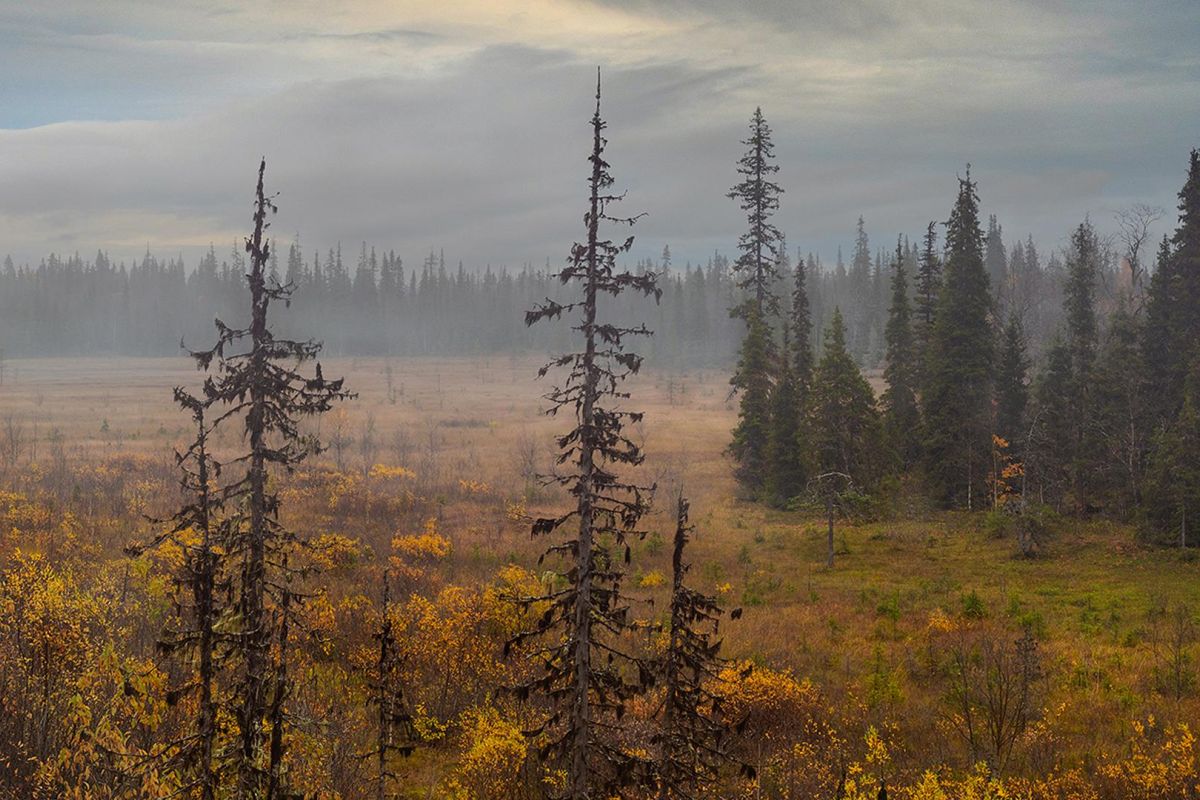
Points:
x=463 y=125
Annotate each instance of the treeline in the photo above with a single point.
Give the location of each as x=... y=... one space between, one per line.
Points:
x=1107 y=422
x=374 y=303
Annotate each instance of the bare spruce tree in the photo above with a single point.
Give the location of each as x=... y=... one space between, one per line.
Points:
x=694 y=735
x=254 y=377
x=394 y=734
x=194 y=639
x=586 y=672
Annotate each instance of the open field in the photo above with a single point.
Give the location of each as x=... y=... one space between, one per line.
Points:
x=872 y=634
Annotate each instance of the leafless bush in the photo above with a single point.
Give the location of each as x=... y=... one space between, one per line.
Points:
x=993 y=680
x=1172 y=637
x=14 y=440
x=401 y=445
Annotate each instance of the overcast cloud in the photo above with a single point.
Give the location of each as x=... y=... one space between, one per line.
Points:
x=463 y=125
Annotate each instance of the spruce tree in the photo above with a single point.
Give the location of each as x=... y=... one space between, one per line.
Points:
x=1173 y=309
x=254 y=376
x=756 y=270
x=995 y=261
x=195 y=637
x=1012 y=393
x=758 y=248
x=1079 y=303
x=844 y=421
x=1173 y=478
x=958 y=394
x=1048 y=449
x=786 y=468
x=1159 y=351
x=801 y=325
x=394 y=732
x=583 y=670
x=693 y=736
x=929 y=284
x=902 y=420
x=1120 y=413
x=751 y=435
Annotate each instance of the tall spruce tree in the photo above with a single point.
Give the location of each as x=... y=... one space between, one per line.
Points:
x=756 y=270
x=1173 y=309
x=844 y=421
x=582 y=664
x=902 y=419
x=1079 y=303
x=254 y=376
x=758 y=248
x=1173 y=478
x=958 y=394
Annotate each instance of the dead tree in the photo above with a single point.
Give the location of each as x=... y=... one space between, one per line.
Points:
x=585 y=671
x=254 y=377
x=394 y=733
x=693 y=734
x=826 y=487
x=197 y=531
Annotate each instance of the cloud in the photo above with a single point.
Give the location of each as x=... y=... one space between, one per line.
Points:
x=416 y=126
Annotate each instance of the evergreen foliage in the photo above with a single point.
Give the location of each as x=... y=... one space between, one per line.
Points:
x=1012 y=391
x=753 y=379
x=844 y=420
x=958 y=396
x=786 y=469
x=759 y=247
x=902 y=419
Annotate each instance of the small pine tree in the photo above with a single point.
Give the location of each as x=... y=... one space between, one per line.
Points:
x=1048 y=446
x=801 y=325
x=786 y=468
x=929 y=284
x=902 y=419
x=844 y=422
x=1012 y=393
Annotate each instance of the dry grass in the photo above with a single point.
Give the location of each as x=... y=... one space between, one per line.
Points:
x=1088 y=597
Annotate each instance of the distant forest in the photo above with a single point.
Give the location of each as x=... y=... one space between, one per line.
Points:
x=378 y=304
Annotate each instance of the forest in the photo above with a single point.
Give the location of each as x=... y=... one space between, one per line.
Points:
x=915 y=524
